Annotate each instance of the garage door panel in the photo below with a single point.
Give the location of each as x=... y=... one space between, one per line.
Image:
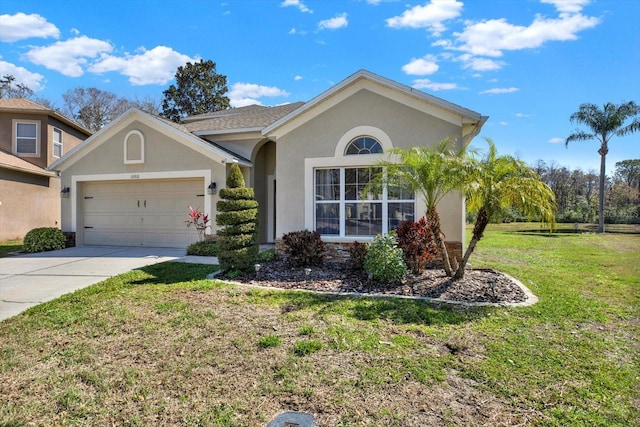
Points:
x=140 y=213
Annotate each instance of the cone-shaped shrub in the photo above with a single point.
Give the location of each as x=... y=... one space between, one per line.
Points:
x=238 y=214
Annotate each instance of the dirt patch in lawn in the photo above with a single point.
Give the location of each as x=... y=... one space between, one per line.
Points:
x=477 y=286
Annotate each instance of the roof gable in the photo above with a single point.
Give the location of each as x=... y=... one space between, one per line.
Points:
x=172 y=130
x=365 y=80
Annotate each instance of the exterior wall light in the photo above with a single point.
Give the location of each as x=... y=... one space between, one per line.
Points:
x=65 y=192
x=211 y=189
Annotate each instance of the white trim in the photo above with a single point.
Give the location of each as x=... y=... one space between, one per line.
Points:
x=75 y=179
x=363 y=79
x=271 y=208
x=357 y=131
x=125 y=120
x=14 y=142
x=54 y=143
x=126 y=146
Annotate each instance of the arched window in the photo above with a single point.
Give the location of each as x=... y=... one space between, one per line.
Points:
x=134 y=147
x=363 y=145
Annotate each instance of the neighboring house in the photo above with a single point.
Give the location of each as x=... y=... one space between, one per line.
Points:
x=31 y=138
x=132 y=182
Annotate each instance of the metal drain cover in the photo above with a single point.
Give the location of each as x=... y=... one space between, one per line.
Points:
x=292 y=419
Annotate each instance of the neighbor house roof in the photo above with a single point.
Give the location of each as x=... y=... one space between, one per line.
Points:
x=21 y=105
x=9 y=161
x=242 y=119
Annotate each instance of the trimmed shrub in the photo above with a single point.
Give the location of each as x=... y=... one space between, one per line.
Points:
x=384 y=260
x=203 y=248
x=304 y=248
x=357 y=255
x=44 y=239
x=237 y=246
x=417 y=244
x=267 y=256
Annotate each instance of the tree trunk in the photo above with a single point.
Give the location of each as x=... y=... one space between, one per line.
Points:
x=478 y=230
x=603 y=155
x=434 y=223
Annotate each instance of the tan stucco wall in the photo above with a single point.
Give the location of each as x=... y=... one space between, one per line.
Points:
x=406 y=127
x=162 y=155
x=28 y=201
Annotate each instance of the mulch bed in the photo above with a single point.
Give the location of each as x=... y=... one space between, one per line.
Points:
x=477 y=286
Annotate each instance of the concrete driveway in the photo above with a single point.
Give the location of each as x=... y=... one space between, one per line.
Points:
x=28 y=280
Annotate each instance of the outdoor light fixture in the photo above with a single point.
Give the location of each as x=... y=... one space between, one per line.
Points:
x=211 y=189
x=257 y=268
x=65 y=192
x=307 y=272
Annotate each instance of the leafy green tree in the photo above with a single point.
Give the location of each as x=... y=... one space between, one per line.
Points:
x=501 y=182
x=430 y=172
x=199 y=89
x=238 y=213
x=603 y=124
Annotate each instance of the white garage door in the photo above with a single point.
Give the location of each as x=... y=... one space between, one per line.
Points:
x=140 y=213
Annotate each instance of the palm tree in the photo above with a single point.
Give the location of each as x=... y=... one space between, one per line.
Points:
x=431 y=172
x=501 y=182
x=604 y=124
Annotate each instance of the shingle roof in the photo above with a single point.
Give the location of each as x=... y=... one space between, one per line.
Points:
x=20 y=104
x=249 y=117
x=26 y=106
x=10 y=161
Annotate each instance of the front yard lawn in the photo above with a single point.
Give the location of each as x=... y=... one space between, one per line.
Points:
x=165 y=346
x=11 y=246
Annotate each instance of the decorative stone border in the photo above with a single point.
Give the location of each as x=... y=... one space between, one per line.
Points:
x=531 y=298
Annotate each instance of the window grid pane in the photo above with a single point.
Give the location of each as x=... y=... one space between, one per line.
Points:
x=341 y=208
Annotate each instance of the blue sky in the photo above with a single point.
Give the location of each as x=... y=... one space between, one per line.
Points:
x=527 y=64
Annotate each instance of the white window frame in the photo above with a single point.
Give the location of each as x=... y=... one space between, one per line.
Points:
x=57 y=143
x=126 y=143
x=17 y=122
x=342 y=161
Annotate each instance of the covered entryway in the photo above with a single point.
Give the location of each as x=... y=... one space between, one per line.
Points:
x=140 y=212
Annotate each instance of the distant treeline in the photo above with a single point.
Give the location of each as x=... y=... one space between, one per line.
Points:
x=577 y=193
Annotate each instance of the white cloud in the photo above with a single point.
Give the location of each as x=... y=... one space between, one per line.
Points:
x=22 y=26
x=492 y=37
x=156 y=66
x=339 y=21
x=556 y=140
x=421 y=66
x=75 y=31
x=568 y=6
x=296 y=3
x=431 y=16
x=499 y=90
x=68 y=57
x=297 y=78
x=523 y=115
x=503 y=123
x=479 y=63
x=243 y=94
x=33 y=81
x=428 y=84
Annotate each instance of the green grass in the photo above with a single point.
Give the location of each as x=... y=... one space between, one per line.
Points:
x=10 y=246
x=162 y=345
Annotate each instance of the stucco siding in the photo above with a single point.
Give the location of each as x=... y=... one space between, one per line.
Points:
x=28 y=201
x=164 y=158
x=317 y=138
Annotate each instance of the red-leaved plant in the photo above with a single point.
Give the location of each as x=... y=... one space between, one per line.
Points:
x=199 y=220
x=417 y=243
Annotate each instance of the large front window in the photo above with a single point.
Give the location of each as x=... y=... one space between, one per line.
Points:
x=343 y=208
